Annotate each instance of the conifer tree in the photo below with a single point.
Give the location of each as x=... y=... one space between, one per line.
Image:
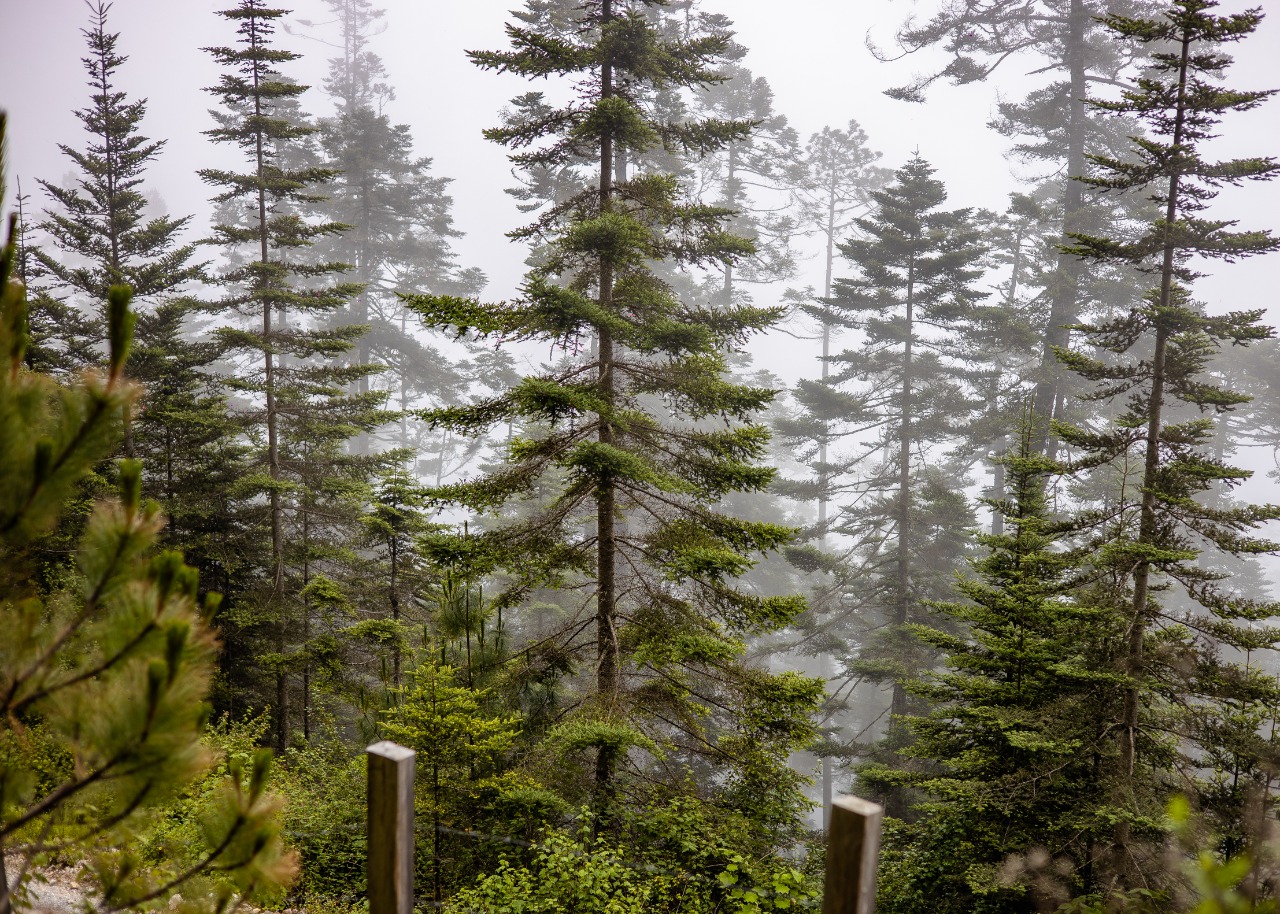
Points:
x=1004 y=347
x=913 y=298
x=109 y=671
x=750 y=176
x=393 y=526
x=287 y=346
x=1158 y=355
x=629 y=446
x=100 y=235
x=463 y=747
x=101 y=222
x=1053 y=122
x=833 y=187
x=1007 y=758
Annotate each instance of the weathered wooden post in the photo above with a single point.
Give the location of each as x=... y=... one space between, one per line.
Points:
x=853 y=850
x=390 y=829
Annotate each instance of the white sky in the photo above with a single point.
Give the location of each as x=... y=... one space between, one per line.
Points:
x=811 y=51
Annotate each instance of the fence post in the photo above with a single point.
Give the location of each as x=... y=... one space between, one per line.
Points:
x=390 y=829
x=853 y=850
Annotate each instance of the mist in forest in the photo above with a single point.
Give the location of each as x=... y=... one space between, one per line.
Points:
x=663 y=416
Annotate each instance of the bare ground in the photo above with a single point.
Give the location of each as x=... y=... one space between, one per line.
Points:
x=54 y=890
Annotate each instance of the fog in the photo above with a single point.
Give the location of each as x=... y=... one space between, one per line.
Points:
x=814 y=55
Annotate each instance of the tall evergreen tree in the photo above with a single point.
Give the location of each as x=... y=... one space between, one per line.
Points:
x=833 y=187
x=1159 y=356
x=913 y=298
x=290 y=370
x=101 y=235
x=1053 y=122
x=1007 y=759
x=751 y=176
x=100 y=222
x=632 y=446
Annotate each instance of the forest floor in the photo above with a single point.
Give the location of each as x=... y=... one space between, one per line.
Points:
x=55 y=890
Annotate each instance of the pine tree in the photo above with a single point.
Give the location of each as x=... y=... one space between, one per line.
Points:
x=832 y=186
x=109 y=672
x=597 y=444
x=297 y=384
x=1158 y=355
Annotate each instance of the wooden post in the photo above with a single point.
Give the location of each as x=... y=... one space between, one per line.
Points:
x=853 y=850
x=390 y=834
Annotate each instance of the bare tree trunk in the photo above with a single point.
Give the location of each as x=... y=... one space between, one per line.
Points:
x=306 y=624
x=395 y=609
x=5 y=906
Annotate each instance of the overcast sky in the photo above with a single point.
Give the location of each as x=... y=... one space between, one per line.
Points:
x=811 y=51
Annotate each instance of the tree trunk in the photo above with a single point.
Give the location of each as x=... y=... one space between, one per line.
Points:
x=730 y=184
x=5 y=906
x=903 y=614
x=395 y=609
x=1065 y=287
x=1140 y=613
x=273 y=447
x=608 y=677
x=824 y=478
x=306 y=625
x=997 y=490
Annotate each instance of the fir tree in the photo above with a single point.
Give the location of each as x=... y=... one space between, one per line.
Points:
x=103 y=226
x=393 y=525
x=1007 y=760
x=1004 y=347
x=659 y=559
x=462 y=746
x=296 y=382
x=101 y=236
x=744 y=175
x=833 y=188
x=913 y=299
x=399 y=218
x=1158 y=356
x=1053 y=124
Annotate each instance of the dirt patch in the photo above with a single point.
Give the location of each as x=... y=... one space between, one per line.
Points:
x=53 y=890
